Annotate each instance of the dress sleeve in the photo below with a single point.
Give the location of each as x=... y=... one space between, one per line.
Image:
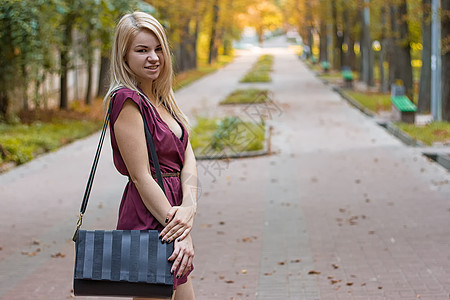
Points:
x=119 y=99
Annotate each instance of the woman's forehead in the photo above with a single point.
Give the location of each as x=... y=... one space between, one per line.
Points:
x=145 y=37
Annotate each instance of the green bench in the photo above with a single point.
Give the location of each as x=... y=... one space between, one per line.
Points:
x=347 y=75
x=403 y=109
x=325 y=65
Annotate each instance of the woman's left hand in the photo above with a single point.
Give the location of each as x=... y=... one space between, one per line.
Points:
x=182 y=256
x=180 y=220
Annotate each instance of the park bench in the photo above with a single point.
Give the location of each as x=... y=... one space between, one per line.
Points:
x=325 y=66
x=403 y=109
x=347 y=75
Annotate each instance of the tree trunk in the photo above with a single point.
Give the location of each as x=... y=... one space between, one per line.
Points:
x=90 y=59
x=445 y=31
x=103 y=79
x=366 y=49
x=336 y=47
x=345 y=55
x=402 y=50
x=323 y=42
x=424 y=102
x=24 y=88
x=64 y=57
x=4 y=103
x=212 y=40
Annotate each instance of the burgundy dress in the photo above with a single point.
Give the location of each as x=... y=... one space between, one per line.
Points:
x=133 y=215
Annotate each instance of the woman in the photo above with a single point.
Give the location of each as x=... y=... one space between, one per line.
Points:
x=141 y=81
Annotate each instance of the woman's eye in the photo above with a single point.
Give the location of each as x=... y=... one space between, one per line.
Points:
x=142 y=50
x=159 y=49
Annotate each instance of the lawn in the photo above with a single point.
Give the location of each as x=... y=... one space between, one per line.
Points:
x=376 y=102
x=247 y=96
x=435 y=132
x=226 y=137
x=260 y=72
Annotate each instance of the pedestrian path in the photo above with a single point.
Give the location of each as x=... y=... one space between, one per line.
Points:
x=339 y=210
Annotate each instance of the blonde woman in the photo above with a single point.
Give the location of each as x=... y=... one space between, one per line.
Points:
x=141 y=78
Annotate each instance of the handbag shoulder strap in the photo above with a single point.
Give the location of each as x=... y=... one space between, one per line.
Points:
x=153 y=155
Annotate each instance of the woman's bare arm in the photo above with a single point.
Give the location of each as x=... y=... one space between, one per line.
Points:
x=130 y=137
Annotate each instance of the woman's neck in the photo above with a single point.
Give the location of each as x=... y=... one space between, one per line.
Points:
x=147 y=89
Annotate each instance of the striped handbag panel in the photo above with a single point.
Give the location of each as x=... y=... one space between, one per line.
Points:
x=123 y=255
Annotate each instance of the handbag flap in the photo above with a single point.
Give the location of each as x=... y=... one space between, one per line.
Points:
x=123 y=255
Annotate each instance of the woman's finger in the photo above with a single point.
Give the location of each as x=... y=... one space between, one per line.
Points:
x=182 y=268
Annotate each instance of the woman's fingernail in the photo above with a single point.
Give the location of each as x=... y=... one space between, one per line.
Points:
x=162 y=241
x=160 y=236
x=178 y=240
x=168 y=241
x=178 y=276
x=167 y=220
x=171 y=271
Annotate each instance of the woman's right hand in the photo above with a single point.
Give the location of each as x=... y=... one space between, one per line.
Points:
x=182 y=257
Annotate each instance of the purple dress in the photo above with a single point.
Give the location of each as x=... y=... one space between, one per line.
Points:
x=133 y=215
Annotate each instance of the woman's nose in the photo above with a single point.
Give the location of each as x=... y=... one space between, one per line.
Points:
x=152 y=56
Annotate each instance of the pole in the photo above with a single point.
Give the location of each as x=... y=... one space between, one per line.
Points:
x=436 y=67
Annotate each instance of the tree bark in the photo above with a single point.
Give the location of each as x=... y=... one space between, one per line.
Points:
x=4 y=103
x=402 y=50
x=212 y=40
x=103 y=79
x=323 y=42
x=424 y=102
x=90 y=59
x=337 y=46
x=445 y=31
x=64 y=57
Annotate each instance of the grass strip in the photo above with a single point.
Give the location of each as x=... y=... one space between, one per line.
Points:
x=260 y=72
x=226 y=137
x=435 y=132
x=247 y=96
x=374 y=102
x=20 y=143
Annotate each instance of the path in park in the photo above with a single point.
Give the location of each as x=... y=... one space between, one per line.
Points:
x=339 y=210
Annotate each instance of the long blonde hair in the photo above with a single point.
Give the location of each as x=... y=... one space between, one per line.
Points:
x=121 y=74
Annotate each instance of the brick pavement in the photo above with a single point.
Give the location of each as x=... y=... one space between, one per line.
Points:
x=339 y=197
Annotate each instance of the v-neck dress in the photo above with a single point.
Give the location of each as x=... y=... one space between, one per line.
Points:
x=133 y=214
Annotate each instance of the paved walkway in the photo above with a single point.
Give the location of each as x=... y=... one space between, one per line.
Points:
x=340 y=210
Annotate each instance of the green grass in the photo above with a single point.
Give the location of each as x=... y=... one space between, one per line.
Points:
x=374 y=102
x=434 y=132
x=247 y=96
x=226 y=137
x=260 y=72
x=21 y=143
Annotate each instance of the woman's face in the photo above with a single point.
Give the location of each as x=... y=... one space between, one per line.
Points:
x=145 y=57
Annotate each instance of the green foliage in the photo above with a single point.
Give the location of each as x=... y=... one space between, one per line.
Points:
x=436 y=132
x=225 y=137
x=260 y=72
x=247 y=96
x=21 y=143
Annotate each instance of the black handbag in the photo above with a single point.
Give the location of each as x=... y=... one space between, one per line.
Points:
x=128 y=263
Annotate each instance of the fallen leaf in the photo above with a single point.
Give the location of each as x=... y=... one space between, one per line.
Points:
x=36 y=242
x=281 y=263
x=58 y=254
x=349 y=283
x=100 y=205
x=229 y=281
x=334 y=281
x=330 y=277
x=206 y=226
x=1 y=248
x=222 y=277
x=342 y=210
x=313 y=272
x=221 y=223
x=380 y=287
x=335 y=266
x=296 y=260
x=268 y=273
x=363 y=284
x=244 y=271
